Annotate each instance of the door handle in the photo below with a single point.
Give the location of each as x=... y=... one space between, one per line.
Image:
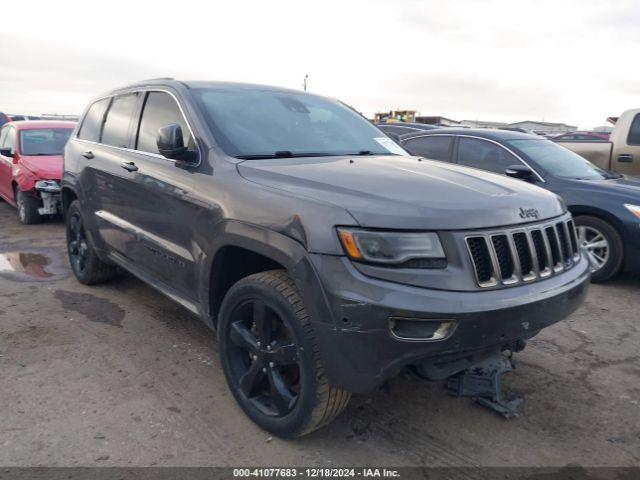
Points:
x=625 y=158
x=129 y=166
x=88 y=154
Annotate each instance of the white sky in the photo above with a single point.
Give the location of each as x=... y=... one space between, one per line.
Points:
x=566 y=61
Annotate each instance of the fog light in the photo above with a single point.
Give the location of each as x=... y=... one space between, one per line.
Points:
x=418 y=329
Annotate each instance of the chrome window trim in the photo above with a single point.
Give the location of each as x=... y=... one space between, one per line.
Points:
x=132 y=150
x=542 y=180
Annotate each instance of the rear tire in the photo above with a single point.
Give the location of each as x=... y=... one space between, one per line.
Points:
x=86 y=266
x=28 y=206
x=604 y=246
x=271 y=358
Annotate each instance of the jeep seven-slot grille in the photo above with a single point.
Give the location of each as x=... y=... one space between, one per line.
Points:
x=519 y=255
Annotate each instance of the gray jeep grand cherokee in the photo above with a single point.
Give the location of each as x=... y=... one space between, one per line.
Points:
x=325 y=257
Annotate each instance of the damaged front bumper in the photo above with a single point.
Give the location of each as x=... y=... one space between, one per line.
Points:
x=363 y=346
x=49 y=192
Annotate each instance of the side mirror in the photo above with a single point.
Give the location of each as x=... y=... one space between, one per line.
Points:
x=521 y=172
x=6 y=152
x=169 y=141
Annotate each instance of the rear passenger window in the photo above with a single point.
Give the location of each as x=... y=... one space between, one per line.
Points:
x=160 y=109
x=485 y=155
x=634 y=132
x=119 y=115
x=432 y=147
x=92 y=122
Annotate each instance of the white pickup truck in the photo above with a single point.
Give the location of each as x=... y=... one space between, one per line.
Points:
x=621 y=153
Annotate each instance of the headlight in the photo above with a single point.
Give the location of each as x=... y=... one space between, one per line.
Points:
x=635 y=209
x=49 y=186
x=410 y=250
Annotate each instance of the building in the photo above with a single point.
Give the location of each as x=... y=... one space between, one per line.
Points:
x=482 y=124
x=438 y=120
x=544 y=127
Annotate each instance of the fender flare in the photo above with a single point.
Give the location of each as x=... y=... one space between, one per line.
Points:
x=284 y=250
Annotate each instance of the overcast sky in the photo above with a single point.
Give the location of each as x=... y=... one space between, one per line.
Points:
x=566 y=61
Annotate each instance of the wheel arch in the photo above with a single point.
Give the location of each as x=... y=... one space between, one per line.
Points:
x=240 y=249
x=68 y=196
x=579 y=210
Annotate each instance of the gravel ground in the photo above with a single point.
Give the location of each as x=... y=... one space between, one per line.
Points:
x=120 y=375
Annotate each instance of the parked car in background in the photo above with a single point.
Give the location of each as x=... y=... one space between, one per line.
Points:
x=31 y=166
x=326 y=257
x=581 y=137
x=395 y=129
x=621 y=153
x=4 y=118
x=605 y=205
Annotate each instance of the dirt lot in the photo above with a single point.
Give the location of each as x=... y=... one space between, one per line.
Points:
x=120 y=375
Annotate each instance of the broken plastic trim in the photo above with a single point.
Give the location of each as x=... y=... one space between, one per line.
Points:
x=482 y=382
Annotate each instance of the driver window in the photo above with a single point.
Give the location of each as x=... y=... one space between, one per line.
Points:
x=485 y=155
x=160 y=109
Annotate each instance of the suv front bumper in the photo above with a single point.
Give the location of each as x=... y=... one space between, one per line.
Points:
x=360 y=351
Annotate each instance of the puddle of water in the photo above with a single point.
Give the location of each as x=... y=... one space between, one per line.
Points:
x=30 y=264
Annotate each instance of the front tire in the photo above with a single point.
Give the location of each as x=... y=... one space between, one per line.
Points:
x=604 y=246
x=270 y=357
x=86 y=266
x=28 y=206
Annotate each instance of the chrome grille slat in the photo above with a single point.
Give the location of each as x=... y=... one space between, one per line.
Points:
x=517 y=271
x=534 y=254
x=497 y=273
x=522 y=254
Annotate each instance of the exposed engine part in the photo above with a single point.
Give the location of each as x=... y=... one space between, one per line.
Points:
x=482 y=382
x=51 y=203
x=50 y=194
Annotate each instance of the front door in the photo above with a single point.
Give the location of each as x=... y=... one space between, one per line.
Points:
x=160 y=208
x=7 y=141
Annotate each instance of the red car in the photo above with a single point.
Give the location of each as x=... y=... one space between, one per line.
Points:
x=31 y=166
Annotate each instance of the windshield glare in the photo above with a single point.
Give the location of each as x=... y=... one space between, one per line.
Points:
x=558 y=160
x=249 y=123
x=44 y=141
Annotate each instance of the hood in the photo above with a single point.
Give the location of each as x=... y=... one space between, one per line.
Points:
x=625 y=187
x=405 y=193
x=44 y=167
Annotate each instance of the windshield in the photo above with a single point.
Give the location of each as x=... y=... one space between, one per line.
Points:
x=44 y=141
x=558 y=160
x=251 y=123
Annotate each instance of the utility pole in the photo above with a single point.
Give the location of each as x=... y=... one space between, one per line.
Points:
x=304 y=82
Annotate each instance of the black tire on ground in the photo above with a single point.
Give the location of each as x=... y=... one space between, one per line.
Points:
x=616 y=248
x=28 y=206
x=86 y=266
x=310 y=401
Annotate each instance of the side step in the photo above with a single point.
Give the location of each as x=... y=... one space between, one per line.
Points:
x=482 y=382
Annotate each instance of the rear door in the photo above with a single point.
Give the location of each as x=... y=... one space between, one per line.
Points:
x=107 y=181
x=626 y=152
x=160 y=207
